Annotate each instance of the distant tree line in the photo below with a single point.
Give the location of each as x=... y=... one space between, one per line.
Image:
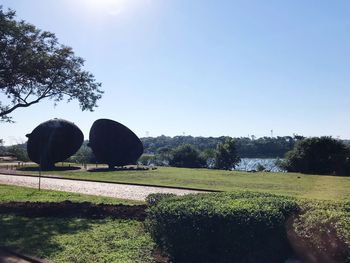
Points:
x=247 y=147
x=317 y=155
x=224 y=156
x=19 y=151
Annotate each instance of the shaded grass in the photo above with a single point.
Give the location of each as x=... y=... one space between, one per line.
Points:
x=77 y=240
x=291 y=184
x=72 y=239
x=10 y=193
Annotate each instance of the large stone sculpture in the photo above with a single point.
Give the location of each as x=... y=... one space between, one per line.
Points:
x=114 y=144
x=53 y=141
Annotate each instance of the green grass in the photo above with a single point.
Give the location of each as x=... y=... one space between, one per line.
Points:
x=77 y=240
x=324 y=199
x=86 y=240
x=73 y=240
x=291 y=184
x=21 y=194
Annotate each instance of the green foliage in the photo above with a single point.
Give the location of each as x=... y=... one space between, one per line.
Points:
x=153 y=159
x=145 y=159
x=18 y=150
x=264 y=147
x=153 y=199
x=226 y=155
x=2 y=147
x=324 y=229
x=260 y=167
x=322 y=155
x=34 y=66
x=187 y=156
x=83 y=155
x=163 y=156
x=77 y=240
x=222 y=227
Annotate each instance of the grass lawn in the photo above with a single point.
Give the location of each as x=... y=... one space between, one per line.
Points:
x=73 y=239
x=292 y=184
x=21 y=194
x=77 y=240
x=107 y=240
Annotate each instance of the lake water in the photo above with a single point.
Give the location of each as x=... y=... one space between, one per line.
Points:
x=251 y=164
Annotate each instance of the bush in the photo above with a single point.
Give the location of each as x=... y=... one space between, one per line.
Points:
x=153 y=199
x=324 y=229
x=260 y=167
x=322 y=155
x=145 y=159
x=20 y=151
x=187 y=156
x=226 y=155
x=150 y=160
x=222 y=227
x=83 y=155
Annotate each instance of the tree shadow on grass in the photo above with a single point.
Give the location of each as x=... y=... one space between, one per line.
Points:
x=96 y=170
x=58 y=168
x=36 y=236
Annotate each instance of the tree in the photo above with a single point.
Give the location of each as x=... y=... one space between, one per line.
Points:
x=2 y=147
x=20 y=151
x=260 y=167
x=164 y=153
x=323 y=155
x=264 y=147
x=187 y=156
x=83 y=155
x=34 y=66
x=226 y=155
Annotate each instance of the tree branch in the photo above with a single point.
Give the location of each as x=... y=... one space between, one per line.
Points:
x=6 y=112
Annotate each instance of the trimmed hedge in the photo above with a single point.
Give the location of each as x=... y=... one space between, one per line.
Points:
x=321 y=232
x=153 y=199
x=222 y=227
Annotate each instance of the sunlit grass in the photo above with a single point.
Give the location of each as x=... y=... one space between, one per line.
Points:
x=10 y=193
x=292 y=184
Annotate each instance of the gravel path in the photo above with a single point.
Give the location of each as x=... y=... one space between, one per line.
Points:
x=132 y=192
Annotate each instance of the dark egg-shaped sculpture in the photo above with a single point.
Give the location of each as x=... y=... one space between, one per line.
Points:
x=114 y=144
x=53 y=141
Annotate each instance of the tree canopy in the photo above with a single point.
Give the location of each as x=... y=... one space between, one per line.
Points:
x=187 y=156
x=323 y=155
x=264 y=147
x=18 y=150
x=226 y=155
x=35 y=66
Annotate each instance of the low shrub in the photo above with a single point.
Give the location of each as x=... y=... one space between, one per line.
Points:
x=153 y=199
x=222 y=227
x=321 y=233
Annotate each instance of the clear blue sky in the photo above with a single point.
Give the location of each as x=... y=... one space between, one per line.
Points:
x=203 y=68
